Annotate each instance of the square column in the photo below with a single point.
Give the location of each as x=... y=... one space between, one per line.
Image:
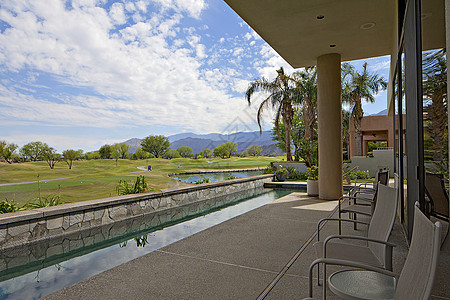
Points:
x=329 y=116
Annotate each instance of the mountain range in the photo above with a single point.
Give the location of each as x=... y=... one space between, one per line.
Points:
x=199 y=142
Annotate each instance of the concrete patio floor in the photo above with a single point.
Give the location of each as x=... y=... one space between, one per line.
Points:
x=262 y=254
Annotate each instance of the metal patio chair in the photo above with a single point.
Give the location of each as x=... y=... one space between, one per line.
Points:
x=376 y=250
x=437 y=204
x=362 y=199
x=368 y=282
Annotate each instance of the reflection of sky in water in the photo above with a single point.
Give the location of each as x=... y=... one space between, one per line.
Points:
x=215 y=176
x=39 y=284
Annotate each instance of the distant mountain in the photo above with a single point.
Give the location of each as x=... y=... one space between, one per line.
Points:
x=380 y=113
x=133 y=143
x=198 y=142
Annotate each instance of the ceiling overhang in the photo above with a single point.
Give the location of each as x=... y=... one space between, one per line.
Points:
x=302 y=30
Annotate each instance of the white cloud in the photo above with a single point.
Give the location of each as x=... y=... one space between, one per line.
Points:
x=150 y=73
x=117 y=13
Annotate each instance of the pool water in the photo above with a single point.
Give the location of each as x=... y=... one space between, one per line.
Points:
x=38 y=278
x=213 y=176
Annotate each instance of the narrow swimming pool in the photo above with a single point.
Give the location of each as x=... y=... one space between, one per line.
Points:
x=32 y=273
x=215 y=176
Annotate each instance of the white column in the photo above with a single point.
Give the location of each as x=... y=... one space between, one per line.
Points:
x=329 y=114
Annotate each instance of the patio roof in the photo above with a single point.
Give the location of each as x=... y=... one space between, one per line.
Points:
x=302 y=30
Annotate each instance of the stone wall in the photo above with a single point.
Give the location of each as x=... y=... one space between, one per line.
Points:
x=25 y=227
x=32 y=257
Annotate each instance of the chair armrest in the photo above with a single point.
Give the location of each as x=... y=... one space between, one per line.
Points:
x=354 y=198
x=389 y=248
x=347 y=263
x=337 y=219
x=355 y=237
x=348 y=210
x=362 y=188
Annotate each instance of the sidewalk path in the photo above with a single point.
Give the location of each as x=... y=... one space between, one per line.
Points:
x=28 y=182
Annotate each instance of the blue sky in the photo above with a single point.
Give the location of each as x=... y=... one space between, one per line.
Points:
x=83 y=73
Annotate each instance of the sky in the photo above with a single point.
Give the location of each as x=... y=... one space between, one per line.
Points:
x=80 y=74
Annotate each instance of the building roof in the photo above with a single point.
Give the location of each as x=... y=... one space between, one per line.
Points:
x=302 y=30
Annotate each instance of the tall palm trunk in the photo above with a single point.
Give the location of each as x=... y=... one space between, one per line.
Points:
x=358 y=118
x=437 y=117
x=288 y=116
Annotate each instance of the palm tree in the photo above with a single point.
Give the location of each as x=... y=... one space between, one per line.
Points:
x=356 y=88
x=435 y=94
x=282 y=93
x=306 y=81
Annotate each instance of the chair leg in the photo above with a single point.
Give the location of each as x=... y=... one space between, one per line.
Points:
x=318 y=274
x=324 y=296
x=354 y=224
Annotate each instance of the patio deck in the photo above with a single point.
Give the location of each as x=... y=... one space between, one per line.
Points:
x=263 y=254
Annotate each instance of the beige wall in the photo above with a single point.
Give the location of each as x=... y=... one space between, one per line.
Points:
x=375 y=129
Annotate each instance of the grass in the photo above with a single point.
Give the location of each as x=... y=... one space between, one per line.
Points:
x=95 y=179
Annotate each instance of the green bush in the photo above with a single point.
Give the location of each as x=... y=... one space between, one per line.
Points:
x=271 y=169
x=139 y=186
x=359 y=174
x=313 y=173
x=7 y=206
x=201 y=180
x=50 y=200
x=294 y=175
x=230 y=177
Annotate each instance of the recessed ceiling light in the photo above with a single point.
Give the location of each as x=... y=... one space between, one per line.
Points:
x=332 y=45
x=367 y=25
x=320 y=17
x=425 y=15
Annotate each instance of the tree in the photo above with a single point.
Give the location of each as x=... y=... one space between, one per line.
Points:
x=115 y=152
x=206 y=153
x=185 y=151
x=435 y=97
x=140 y=153
x=345 y=132
x=306 y=82
x=32 y=151
x=156 y=145
x=122 y=149
x=225 y=150
x=171 y=153
x=7 y=150
x=69 y=156
x=282 y=93
x=92 y=155
x=105 y=151
x=254 y=150
x=50 y=156
x=356 y=88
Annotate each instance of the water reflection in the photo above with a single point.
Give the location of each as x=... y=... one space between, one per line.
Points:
x=213 y=177
x=38 y=270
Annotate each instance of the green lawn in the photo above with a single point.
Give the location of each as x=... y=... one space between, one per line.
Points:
x=94 y=179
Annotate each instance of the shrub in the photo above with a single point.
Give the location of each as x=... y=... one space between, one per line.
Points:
x=139 y=186
x=7 y=206
x=201 y=180
x=50 y=200
x=270 y=169
x=359 y=174
x=294 y=175
x=313 y=173
x=230 y=177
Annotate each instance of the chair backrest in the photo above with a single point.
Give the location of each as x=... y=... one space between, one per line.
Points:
x=382 y=220
x=383 y=177
x=417 y=277
x=436 y=192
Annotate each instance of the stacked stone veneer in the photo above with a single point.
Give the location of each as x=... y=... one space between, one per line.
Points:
x=32 y=257
x=25 y=227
